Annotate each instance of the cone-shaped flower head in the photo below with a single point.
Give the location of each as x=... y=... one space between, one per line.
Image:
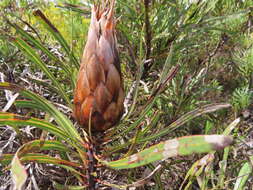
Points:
x=99 y=91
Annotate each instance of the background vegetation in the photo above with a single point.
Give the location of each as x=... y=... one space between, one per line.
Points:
x=176 y=57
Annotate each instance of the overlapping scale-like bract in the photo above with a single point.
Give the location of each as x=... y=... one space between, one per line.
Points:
x=99 y=91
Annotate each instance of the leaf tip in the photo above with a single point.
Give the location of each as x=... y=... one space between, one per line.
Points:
x=219 y=141
x=18 y=173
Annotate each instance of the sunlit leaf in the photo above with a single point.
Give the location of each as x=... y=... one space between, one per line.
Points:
x=59 y=117
x=18 y=173
x=34 y=57
x=18 y=120
x=185 y=118
x=196 y=169
x=244 y=173
x=6 y=159
x=199 y=166
x=27 y=104
x=223 y=163
x=39 y=45
x=172 y=148
x=57 y=35
x=173 y=126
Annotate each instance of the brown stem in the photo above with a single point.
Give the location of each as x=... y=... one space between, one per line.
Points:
x=148 y=38
x=147 y=29
x=91 y=169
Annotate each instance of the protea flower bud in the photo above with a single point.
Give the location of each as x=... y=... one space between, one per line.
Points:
x=99 y=91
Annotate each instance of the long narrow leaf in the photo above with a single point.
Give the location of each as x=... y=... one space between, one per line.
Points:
x=244 y=173
x=59 y=117
x=6 y=159
x=18 y=173
x=172 y=148
x=28 y=104
x=48 y=145
x=34 y=105
x=223 y=163
x=39 y=45
x=185 y=118
x=35 y=146
x=33 y=56
x=69 y=187
x=18 y=120
x=173 y=126
x=57 y=35
x=198 y=167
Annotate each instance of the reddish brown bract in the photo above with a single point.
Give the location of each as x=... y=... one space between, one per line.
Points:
x=99 y=89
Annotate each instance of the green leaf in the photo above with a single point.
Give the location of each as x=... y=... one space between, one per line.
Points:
x=223 y=163
x=48 y=145
x=167 y=65
x=35 y=146
x=27 y=104
x=39 y=45
x=59 y=117
x=244 y=173
x=225 y=19
x=141 y=117
x=18 y=173
x=19 y=120
x=57 y=35
x=136 y=83
x=75 y=8
x=34 y=57
x=196 y=170
x=24 y=153
x=199 y=166
x=25 y=35
x=41 y=158
x=5 y=159
x=34 y=105
x=185 y=118
x=69 y=187
x=171 y=148
x=50 y=86
x=173 y=126
x=63 y=122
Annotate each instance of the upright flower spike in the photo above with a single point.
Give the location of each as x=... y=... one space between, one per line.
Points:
x=99 y=93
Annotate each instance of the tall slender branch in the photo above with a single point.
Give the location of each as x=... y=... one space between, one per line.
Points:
x=147 y=29
x=148 y=38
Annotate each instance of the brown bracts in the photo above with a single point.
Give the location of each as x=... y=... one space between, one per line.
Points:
x=99 y=91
